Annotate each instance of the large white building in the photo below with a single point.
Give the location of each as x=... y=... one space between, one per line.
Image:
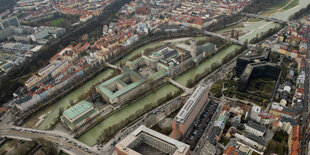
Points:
x=255 y=112
x=255 y=129
x=145 y=141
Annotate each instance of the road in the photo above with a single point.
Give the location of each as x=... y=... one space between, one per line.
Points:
x=158 y=114
x=187 y=90
x=64 y=141
x=305 y=141
x=209 y=128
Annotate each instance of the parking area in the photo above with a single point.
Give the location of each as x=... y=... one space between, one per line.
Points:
x=200 y=124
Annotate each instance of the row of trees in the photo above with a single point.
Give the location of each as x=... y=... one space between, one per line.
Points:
x=7 y=85
x=300 y=13
x=46 y=147
x=223 y=21
x=265 y=35
x=216 y=65
x=259 y=5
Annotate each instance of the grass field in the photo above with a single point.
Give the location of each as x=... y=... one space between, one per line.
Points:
x=291 y=5
x=284 y=5
x=57 y=22
x=254 y=20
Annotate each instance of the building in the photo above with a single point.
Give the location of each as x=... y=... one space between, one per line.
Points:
x=287 y=124
x=86 y=17
x=149 y=70
x=208 y=149
x=294 y=141
x=190 y=110
x=232 y=151
x=278 y=110
x=143 y=10
x=79 y=114
x=257 y=70
x=123 y=87
x=255 y=112
x=144 y=140
x=255 y=129
x=251 y=67
x=9 y=22
x=177 y=59
x=219 y=125
x=252 y=141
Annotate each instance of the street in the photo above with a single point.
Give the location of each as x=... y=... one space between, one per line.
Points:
x=305 y=141
x=65 y=142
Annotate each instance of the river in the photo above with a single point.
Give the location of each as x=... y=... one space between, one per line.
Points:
x=74 y=95
x=90 y=136
x=256 y=28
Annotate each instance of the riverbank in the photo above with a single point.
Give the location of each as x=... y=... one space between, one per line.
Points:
x=91 y=133
x=76 y=93
x=7 y=87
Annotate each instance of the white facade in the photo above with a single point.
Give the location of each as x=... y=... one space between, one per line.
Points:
x=255 y=112
x=249 y=141
x=253 y=130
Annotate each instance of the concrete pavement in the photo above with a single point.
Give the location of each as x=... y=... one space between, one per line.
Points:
x=63 y=140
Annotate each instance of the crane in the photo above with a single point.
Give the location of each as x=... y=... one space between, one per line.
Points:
x=182 y=53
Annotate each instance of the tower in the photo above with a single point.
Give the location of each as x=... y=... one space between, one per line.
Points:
x=193 y=50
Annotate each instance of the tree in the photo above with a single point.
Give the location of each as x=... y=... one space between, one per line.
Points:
x=47 y=147
x=232 y=33
x=245 y=43
x=60 y=111
x=71 y=102
x=214 y=65
x=189 y=83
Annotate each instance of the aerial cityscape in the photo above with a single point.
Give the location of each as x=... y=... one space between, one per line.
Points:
x=154 y=77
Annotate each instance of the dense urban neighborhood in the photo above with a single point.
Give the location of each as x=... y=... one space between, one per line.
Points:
x=131 y=77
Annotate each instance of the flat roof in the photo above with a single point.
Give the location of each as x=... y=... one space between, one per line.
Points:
x=191 y=103
x=127 y=72
x=256 y=126
x=181 y=147
x=77 y=109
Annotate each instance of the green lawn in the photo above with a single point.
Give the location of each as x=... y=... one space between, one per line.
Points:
x=276 y=147
x=275 y=8
x=57 y=22
x=293 y=4
x=254 y=20
x=262 y=87
x=281 y=137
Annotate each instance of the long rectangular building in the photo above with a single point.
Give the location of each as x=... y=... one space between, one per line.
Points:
x=190 y=110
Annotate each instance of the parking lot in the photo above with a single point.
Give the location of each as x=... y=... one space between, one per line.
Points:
x=200 y=124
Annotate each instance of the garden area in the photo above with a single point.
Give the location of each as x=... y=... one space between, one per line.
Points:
x=278 y=144
x=276 y=147
x=57 y=22
x=281 y=137
x=262 y=87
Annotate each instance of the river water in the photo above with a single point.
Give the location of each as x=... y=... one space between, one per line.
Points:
x=90 y=136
